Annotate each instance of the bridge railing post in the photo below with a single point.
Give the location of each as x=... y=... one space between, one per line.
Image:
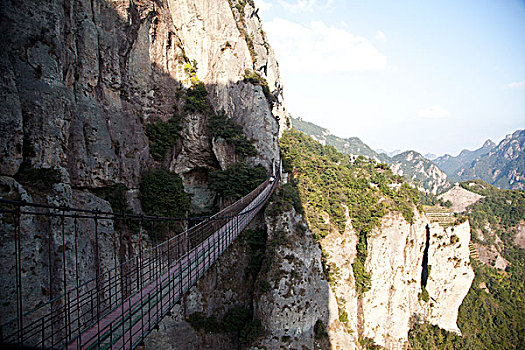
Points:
x=18 y=262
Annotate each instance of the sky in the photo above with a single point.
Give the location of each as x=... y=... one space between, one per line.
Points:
x=432 y=76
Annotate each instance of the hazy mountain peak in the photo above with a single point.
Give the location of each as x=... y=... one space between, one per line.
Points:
x=488 y=144
x=502 y=165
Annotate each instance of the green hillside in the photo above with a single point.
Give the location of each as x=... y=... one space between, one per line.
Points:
x=330 y=182
x=352 y=145
x=410 y=164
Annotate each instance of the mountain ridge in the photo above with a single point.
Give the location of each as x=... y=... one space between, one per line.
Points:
x=501 y=165
x=410 y=164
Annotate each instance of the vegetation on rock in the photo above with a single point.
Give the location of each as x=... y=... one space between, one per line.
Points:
x=330 y=184
x=115 y=195
x=238 y=320
x=162 y=136
x=162 y=194
x=40 y=179
x=222 y=126
x=427 y=174
x=237 y=181
x=196 y=99
x=492 y=315
x=256 y=79
x=256 y=240
x=424 y=336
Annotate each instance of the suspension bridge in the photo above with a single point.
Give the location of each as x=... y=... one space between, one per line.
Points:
x=121 y=305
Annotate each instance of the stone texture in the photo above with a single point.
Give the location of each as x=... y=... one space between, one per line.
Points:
x=460 y=198
x=519 y=240
x=451 y=274
x=299 y=292
x=82 y=78
x=395 y=256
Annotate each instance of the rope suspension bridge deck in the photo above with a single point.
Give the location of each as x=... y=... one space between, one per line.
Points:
x=119 y=306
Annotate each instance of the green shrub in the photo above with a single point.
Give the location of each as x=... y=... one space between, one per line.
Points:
x=41 y=179
x=115 y=195
x=237 y=181
x=222 y=126
x=424 y=295
x=265 y=286
x=369 y=344
x=256 y=240
x=251 y=331
x=343 y=316
x=162 y=194
x=320 y=330
x=284 y=199
x=202 y=323
x=196 y=99
x=446 y=204
x=454 y=239
x=362 y=277
x=236 y=318
x=162 y=136
x=256 y=79
x=423 y=336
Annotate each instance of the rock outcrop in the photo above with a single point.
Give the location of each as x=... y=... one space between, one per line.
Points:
x=298 y=296
x=460 y=198
x=81 y=78
x=395 y=262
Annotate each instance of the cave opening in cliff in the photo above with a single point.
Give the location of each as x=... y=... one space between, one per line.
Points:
x=424 y=272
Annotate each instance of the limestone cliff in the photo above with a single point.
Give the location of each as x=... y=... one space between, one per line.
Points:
x=298 y=295
x=395 y=262
x=81 y=81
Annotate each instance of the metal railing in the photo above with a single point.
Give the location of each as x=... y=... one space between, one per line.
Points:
x=120 y=305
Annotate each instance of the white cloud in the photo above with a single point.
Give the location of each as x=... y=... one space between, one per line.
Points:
x=516 y=85
x=321 y=48
x=305 y=5
x=381 y=36
x=434 y=112
x=262 y=5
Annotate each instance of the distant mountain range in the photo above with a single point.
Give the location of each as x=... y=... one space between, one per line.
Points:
x=352 y=145
x=410 y=164
x=390 y=154
x=451 y=165
x=501 y=165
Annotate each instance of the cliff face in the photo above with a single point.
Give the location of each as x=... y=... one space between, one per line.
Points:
x=299 y=294
x=396 y=262
x=81 y=80
x=83 y=77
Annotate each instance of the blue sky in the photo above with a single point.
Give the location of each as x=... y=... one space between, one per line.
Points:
x=434 y=76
